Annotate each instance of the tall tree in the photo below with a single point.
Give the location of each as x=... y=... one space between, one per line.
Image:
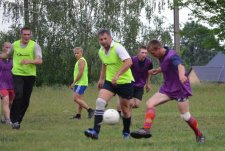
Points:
x=198 y=44
x=210 y=11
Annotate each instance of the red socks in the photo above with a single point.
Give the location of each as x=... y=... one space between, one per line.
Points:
x=149 y=117
x=193 y=123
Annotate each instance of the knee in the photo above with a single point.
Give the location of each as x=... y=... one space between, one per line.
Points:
x=186 y=116
x=100 y=104
x=126 y=111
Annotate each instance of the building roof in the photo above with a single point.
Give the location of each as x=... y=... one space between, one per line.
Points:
x=217 y=61
x=210 y=74
x=214 y=71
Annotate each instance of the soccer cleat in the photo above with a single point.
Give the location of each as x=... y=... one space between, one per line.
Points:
x=141 y=133
x=200 y=139
x=77 y=116
x=91 y=133
x=16 y=125
x=90 y=112
x=126 y=135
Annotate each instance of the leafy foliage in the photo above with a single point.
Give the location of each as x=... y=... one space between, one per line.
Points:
x=198 y=44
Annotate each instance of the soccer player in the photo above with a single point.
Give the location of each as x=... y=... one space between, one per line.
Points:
x=115 y=78
x=6 y=85
x=176 y=86
x=80 y=83
x=26 y=55
x=140 y=67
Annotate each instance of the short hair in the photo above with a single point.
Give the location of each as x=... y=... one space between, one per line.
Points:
x=104 y=31
x=141 y=47
x=154 y=44
x=78 y=48
x=25 y=28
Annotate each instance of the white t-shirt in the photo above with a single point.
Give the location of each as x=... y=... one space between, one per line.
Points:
x=120 y=51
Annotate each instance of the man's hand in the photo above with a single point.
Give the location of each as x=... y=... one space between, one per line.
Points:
x=24 y=61
x=147 y=87
x=100 y=84
x=114 y=80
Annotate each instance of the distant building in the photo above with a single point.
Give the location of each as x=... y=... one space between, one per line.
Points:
x=214 y=71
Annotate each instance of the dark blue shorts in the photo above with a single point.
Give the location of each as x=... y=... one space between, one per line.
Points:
x=79 y=89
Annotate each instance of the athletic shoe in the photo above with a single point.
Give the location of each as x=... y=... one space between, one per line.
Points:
x=6 y=121
x=16 y=125
x=77 y=116
x=126 y=135
x=90 y=112
x=141 y=133
x=200 y=139
x=91 y=133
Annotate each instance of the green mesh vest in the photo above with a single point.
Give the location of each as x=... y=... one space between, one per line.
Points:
x=113 y=65
x=84 y=78
x=23 y=53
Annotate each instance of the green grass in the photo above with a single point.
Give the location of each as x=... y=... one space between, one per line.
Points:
x=47 y=127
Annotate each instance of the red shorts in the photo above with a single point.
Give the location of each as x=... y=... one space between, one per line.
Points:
x=9 y=93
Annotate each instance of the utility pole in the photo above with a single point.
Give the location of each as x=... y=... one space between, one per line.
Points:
x=176 y=26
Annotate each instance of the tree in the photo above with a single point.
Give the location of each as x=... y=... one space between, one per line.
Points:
x=198 y=44
x=211 y=11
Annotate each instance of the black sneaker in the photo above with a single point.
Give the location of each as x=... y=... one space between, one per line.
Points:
x=141 y=133
x=200 y=139
x=90 y=112
x=16 y=125
x=77 y=116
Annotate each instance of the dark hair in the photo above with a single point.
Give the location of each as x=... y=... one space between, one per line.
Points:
x=104 y=31
x=154 y=44
x=25 y=28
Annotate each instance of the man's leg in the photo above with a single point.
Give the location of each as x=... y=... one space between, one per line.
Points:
x=126 y=116
x=16 y=107
x=28 y=87
x=191 y=121
x=101 y=102
x=155 y=100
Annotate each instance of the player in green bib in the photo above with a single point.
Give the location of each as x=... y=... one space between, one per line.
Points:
x=115 y=78
x=26 y=55
x=80 y=83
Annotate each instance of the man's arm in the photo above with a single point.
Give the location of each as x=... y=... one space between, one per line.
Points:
x=126 y=65
x=102 y=76
x=81 y=65
x=38 y=56
x=4 y=56
x=181 y=72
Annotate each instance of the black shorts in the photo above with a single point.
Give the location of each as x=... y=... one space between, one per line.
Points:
x=138 y=93
x=123 y=90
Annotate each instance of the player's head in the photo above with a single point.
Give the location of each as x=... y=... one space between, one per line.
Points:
x=155 y=48
x=78 y=52
x=105 y=38
x=26 y=34
x=6 y=46
x=142 y=53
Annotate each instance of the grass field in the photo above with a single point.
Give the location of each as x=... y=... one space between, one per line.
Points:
x=47 y=125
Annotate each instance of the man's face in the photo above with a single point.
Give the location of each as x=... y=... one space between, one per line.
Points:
x=142 y=54
x=155 y=52
x=6 y=47
x=25 y=36
x=105 y=40
x=77 y=54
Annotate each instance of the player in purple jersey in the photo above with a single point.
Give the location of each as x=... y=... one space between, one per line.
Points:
x=140 y=67
x=176 y=86
x=6 y=85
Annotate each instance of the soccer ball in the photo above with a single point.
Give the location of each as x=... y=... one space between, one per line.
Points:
x=111 y=117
